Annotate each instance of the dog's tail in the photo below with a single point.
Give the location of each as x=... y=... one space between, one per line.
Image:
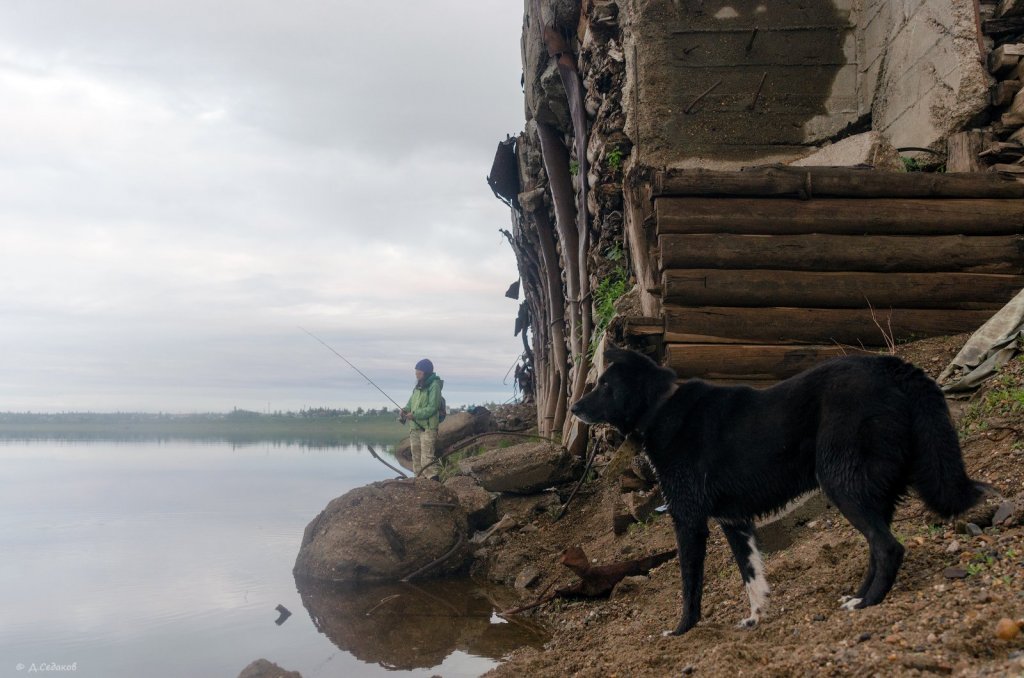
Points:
x=937 y=464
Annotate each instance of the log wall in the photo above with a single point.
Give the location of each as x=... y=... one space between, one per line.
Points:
x=765 y=273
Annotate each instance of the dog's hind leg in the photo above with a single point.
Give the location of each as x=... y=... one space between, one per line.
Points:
x=886 y=553
x=692 y=541
x=743 y=542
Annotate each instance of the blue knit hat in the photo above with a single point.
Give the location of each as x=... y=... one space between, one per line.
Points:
x=425 y=366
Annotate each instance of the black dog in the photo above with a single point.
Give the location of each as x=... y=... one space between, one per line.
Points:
x=862 y=429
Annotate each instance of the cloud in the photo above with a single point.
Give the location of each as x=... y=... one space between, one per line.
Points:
x=183 y=184
x=379 y=77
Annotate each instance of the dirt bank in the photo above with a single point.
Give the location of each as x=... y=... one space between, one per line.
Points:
x=930 y=624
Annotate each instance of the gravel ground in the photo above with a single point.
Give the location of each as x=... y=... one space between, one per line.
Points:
x=941 y=618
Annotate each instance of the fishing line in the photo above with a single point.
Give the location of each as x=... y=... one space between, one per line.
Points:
x=370 y=381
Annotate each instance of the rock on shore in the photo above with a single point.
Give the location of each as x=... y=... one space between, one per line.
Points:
x=385 y=531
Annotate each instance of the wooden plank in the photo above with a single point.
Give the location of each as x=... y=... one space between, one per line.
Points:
x=1014 y=115
x=840 y=216
x=852 y=326
x=754 y=362
x=1003 y=151
x=643 y=325
x=652 y=330
x=817 y=252
x=710 y=287
x=839 y=182
x=999 y=94
x=1004 y=58
x=1003 y=27
x=1015 y=169
x=1010 y=8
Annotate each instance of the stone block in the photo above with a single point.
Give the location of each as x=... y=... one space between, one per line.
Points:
x=523 y=469
x=869 y=148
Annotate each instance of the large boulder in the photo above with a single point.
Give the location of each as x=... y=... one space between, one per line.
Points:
x=385 y=531
x=523 y=469
x=457 y=426
x=480 y=505
x=264 y=668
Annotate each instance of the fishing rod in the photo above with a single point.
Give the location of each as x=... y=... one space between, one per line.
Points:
x=400 y=408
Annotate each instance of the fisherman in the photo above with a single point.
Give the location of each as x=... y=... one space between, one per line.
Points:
x=422 y=414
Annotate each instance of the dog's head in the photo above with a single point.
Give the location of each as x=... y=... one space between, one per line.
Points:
x=629 y=387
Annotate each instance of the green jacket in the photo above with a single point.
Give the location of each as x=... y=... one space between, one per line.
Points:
x=423 y=404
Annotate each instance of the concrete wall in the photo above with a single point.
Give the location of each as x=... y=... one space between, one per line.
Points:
x=695 y=96
x=921 y=73
x=717 y=83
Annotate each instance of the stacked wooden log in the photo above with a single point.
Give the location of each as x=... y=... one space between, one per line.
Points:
x=999 y=147
x=824 y=262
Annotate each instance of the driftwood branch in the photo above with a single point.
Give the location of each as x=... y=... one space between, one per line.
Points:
x=599 y=580
x=378 y=458
x=429 y=566
x=595 y=580
x=540 y=600
x=383 y=601
x=579 y=484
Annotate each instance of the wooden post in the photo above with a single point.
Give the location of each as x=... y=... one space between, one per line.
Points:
x=963 y=149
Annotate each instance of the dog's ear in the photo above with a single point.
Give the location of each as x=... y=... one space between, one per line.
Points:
x=634 y=359
x=614 y=354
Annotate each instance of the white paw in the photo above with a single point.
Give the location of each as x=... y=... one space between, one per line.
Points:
x=748 y=623
x=666 y=633
x=849 y=603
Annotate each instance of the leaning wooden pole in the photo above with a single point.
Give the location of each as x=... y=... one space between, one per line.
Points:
x=556 y=164
x=552 y=414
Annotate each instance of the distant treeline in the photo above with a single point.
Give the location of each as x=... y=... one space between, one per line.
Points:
x=315 y=426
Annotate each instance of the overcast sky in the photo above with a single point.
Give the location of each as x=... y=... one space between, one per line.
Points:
x=184 y=184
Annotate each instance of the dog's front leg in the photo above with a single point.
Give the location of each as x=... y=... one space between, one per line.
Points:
x=691 y=540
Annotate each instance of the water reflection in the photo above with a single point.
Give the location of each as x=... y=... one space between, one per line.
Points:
x=411 y=626
x=118 y=555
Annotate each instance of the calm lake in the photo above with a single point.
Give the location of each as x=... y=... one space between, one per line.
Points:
x=168 y=559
